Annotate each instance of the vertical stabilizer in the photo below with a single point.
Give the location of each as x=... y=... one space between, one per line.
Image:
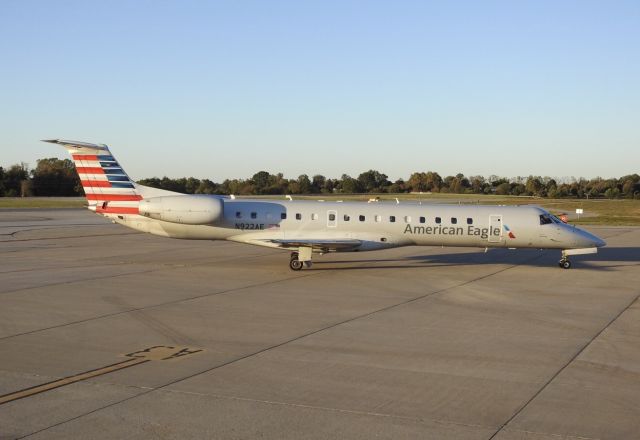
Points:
x=108 y=189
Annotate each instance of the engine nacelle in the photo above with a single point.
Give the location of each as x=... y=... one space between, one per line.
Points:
x=185 y=209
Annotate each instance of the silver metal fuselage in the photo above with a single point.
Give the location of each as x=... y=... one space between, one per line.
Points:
x=377 y=225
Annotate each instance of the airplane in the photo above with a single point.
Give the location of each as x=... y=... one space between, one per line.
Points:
x=306 y=227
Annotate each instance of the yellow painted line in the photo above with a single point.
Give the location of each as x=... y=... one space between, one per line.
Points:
x=156 y=353
x=27 y=392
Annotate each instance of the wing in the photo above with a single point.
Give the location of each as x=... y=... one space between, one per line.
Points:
x=318 y=244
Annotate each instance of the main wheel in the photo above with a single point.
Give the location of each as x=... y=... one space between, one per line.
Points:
x=566 y=264
x=295 y=264
x=294 y=255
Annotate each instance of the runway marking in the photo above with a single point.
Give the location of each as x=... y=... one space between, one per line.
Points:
x=155 y=353
x=163 y=353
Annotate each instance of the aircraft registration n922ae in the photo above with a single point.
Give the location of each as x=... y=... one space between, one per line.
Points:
x=313 y=227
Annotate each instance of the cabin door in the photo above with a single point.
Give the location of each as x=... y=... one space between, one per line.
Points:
x=495 y=229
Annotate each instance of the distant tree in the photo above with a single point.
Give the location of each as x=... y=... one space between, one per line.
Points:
x=13 y=178
x=417 y=182
x=191 y=185
x=612 y=193
x=373 y=181
x=534 y=186
x=399 y=186
x=304 y=184
x=206 y=186
x=503 y=189
x=1 y=182
x=55 y=177
x=262 y=180
x=330 y=186
x=318 y=184
x=478 y=184
x=518 y=189
x=349 y=185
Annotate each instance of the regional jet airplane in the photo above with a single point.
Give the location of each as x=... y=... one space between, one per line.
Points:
x=314 y=227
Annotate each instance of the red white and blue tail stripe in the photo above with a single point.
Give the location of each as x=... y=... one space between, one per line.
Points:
x=107 y=187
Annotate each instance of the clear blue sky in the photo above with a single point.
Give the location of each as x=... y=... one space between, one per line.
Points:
x=225 y=89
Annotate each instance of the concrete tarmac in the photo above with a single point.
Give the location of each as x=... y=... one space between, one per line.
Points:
x=108 y=333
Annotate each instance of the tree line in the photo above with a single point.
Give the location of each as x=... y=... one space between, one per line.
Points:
x=56 y=177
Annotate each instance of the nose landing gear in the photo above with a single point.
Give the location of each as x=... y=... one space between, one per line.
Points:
x=564 y=263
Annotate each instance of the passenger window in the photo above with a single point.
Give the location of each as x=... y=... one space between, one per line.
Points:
x=346 y=218
x=314 y=216
x=283 y=215
x=469 y=221
x=298 y=216
x=438 y=220
x=392 y=218
x=378 y=218
x=361 y=218
x=454 y=220
x=238 y=214
x=332 y=217
x=545 y=219
x=254 y=215
x=422 y=219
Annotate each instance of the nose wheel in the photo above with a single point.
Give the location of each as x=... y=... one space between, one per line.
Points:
x=564 y=263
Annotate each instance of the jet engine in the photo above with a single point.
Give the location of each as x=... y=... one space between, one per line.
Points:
x=185 y=209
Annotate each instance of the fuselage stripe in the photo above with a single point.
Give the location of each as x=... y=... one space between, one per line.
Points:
x=90 y=170
x=98 y=183
x=114 y=197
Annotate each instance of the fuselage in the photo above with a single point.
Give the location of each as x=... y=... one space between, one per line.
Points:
x=378 y=225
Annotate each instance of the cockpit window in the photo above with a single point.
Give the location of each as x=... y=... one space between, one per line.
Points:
x=545 y=219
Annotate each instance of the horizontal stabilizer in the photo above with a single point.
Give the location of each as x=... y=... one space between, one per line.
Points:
x=77 y=144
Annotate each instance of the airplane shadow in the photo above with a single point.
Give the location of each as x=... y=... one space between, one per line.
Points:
x=606 y=259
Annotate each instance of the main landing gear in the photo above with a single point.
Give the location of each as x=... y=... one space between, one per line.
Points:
x=296 y=264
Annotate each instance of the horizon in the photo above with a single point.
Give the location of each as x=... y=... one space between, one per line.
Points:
x=558 y=179
x=226 y=90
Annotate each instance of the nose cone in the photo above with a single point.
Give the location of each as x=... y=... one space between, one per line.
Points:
x=587 y=239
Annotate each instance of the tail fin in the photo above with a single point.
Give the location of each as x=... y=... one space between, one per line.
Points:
x=108 y=189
